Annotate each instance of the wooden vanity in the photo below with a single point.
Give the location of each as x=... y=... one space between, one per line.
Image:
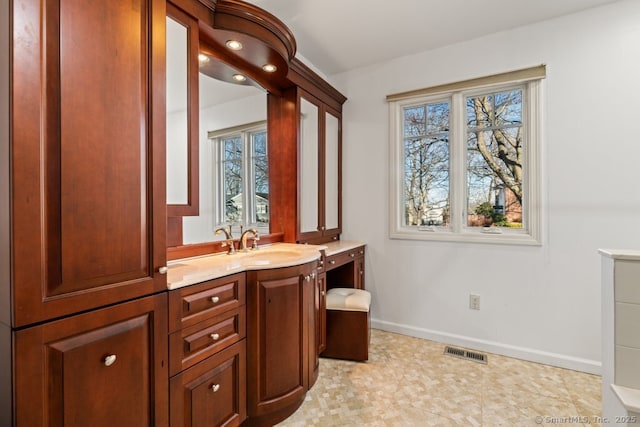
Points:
x=246 y=346
x=91 y=330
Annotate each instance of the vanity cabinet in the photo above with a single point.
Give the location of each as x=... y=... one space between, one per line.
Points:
x=207 y=353
x=103 y=368
x=319 y=148
x=281 y=345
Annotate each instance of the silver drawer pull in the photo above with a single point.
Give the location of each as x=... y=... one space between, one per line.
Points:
x=215 y=337
x=163 y=270
x=215 y=299
x=332 y=262
x=361 y=252
x=352 y=255
x=110 y=360
x=215 y=387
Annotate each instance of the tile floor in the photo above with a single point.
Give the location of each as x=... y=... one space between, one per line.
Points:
x=410 y=382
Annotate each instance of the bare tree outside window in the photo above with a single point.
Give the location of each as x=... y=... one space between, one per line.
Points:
x=465 y=160
x=426 y=169
x=242 y=179
x=494 y=159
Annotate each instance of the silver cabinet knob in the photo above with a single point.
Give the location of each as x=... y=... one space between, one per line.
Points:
x=215 y=299
x=332 y=262
x=215 y=387
x=215 y=337
x=352 y=255
x=163 y=270
x=110 y=360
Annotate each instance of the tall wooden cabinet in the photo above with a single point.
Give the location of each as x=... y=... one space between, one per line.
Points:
x=86 y=220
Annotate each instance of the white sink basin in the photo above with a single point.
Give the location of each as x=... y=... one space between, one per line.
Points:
x=271 y=256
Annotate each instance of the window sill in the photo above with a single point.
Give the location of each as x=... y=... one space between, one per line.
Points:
x=505 y=237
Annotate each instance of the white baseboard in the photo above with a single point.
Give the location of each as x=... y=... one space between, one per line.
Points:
x=532 y=355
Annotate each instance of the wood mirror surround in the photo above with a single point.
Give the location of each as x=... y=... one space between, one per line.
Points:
x=265 y=40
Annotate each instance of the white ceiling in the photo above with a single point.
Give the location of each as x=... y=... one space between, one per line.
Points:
x=340 y=35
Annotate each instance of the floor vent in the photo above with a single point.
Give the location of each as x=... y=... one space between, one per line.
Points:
x=465 y=354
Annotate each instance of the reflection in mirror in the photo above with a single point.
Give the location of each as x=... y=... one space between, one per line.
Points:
x=177 y=99
x=233 y=161
x=309 y=220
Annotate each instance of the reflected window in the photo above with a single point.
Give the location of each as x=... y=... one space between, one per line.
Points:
x=241 y=193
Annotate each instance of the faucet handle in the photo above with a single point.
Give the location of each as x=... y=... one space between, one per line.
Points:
x=256 y=237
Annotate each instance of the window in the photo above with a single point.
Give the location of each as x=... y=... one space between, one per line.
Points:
x=465 y=160
x=241 y=190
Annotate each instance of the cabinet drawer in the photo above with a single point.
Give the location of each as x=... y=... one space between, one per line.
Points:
x=195 y=343
x=211 y=393
x=342 y=258
x=193 y=304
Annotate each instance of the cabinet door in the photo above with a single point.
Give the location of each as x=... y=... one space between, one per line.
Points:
x=211 y=393
x=89 y=212
x=103 y=368
x=319 y=218
x=309 y=167
x=279 y=305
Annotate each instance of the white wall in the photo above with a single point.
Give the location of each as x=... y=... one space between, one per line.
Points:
x=538 y=303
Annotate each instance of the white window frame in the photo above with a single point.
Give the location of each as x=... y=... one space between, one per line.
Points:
x=531 y=81
x=246 y=132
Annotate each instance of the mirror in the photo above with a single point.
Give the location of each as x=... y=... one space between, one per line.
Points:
x=177 y=98
x=181 y=121
x=309 y=220
x=232 y=149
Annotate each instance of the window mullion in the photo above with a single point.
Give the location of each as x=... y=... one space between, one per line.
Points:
x=218 y=181
x=458 y=192
x=247 y=182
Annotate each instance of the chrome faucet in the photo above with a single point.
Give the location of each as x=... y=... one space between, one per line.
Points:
x=228 y=241
x=243 y=239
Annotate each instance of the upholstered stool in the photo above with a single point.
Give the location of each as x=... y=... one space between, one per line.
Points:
x=348 y=324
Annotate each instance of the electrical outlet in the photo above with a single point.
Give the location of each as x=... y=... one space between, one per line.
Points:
x=474 y=302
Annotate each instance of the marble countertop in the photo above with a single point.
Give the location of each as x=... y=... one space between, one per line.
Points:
x=188 y=271
x=341 y=246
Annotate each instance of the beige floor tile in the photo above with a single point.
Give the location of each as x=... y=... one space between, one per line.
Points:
x=410 y=382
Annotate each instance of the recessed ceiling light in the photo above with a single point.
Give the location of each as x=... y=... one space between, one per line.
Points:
x=233 y=44
x=203 y=58
x=239 y=77
x=269 y=68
